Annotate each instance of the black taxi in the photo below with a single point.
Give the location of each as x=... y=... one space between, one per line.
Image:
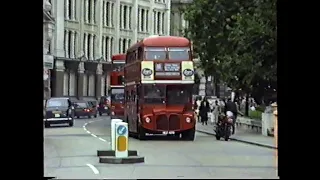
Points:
x=58 y=110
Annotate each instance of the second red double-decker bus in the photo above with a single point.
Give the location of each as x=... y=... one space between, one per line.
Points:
x=159 y=76
x=117 y=85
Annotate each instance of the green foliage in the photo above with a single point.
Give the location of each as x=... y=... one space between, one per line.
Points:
x=257 y=115
x=235 y=40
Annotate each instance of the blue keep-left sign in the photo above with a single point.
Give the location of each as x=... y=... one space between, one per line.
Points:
x=122 y=130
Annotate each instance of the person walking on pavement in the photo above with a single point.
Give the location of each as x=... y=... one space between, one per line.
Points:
x=203 y=111
x=197 y=107
x=231 y=106
x=216 y=111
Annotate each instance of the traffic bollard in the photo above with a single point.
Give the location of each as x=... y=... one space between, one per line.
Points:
x=121 y=138
x=113 y=133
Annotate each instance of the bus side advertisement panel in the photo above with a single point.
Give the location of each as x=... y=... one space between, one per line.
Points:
x=147 y=71
x=187 y=71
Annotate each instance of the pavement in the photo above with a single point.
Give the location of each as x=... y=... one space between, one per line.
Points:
x=243 y=134
x=70 y=153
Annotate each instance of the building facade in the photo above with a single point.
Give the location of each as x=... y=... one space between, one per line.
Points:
x=88 y=32
x=178 y=23
x=48 y=27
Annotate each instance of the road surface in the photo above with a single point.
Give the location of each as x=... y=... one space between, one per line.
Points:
x=70 y=152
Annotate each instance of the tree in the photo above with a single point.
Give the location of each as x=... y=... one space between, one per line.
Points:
x=235 y=40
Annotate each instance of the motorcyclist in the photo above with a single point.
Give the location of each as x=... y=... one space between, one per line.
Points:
x=231 y=106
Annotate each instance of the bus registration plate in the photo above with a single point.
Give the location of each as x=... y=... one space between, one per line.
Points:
x=168 y=132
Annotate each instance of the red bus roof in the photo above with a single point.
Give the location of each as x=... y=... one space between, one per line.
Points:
x=162 y=41
x=121 y=58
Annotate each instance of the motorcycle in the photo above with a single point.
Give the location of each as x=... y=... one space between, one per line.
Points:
x=224 y=127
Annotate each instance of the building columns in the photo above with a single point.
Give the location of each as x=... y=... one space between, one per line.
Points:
x=98 y=81
x=86 y=36
x=66 y=43
x=72 y=48
x=92 y=11
x=73 y=10
x=80 y=77
x=91 y=46
x=59 y=76
x=86 y=17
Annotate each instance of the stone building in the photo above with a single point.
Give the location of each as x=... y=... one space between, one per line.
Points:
x=48 y=26
x=88 y=32
x=178 y=23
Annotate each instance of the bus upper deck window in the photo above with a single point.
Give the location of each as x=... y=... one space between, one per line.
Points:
x=155 y=53
x=179 y=53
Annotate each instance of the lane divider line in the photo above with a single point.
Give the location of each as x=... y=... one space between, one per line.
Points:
x=85 y=129
x=94 y=169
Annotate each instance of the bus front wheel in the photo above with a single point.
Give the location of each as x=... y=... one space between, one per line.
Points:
x=189 y=135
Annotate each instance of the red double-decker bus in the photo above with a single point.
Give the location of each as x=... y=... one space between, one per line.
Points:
x=159 y=76
x=117 y=85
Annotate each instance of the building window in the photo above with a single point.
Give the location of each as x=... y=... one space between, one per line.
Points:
x=128 y=43
x=70 y=44
x=142 y=20
x=90 y=8
x=125 y=17
x=162 y=23
x=112 y=12
x=121 y=20
x=154 y=22
x=139 y=19
x=111 y=47
x=130 y=16
x=124 y=45
x=147 y=20
x=120 y=45
x=86 y=11
x=107 y=13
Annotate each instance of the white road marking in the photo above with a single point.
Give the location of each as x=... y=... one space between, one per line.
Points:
x=85 y=129
x=94 y=169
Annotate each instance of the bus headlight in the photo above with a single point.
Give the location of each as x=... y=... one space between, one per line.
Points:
x=148 y=120
x=188 y=120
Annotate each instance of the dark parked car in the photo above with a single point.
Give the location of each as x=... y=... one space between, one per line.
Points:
x=58 y=111
x=104 y=105
x=82 y=108
x=93 y=107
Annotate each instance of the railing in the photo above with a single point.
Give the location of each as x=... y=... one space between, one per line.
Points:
x=250 y=123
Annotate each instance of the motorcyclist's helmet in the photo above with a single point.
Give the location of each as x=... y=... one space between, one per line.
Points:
x=229 y=114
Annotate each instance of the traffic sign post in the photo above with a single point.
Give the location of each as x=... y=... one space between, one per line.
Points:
x=113 y=133
x=121 y=138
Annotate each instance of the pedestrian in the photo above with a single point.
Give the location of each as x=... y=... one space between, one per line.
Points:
x=216 y=111
x=203 y=111
x=231 y=106
x=197 y=105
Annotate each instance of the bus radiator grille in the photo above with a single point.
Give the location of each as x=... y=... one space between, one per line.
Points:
x=174 y=122
x=162 y=122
